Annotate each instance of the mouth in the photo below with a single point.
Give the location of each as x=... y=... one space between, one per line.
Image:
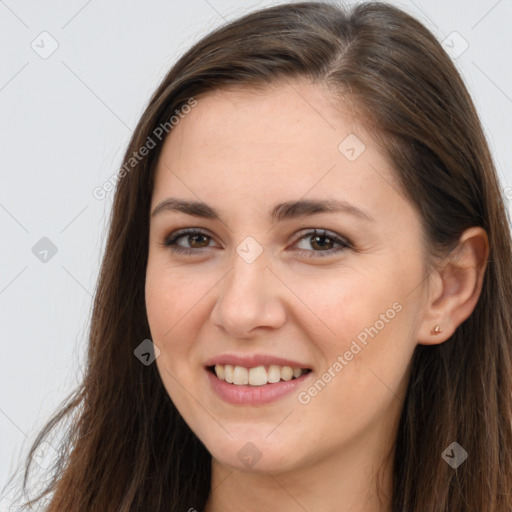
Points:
x=256 y=376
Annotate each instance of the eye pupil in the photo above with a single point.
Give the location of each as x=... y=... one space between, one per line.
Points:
x=196 y=236
x=322 y=245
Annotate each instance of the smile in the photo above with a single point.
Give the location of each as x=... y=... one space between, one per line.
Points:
x=258 y=375
x=255 y=385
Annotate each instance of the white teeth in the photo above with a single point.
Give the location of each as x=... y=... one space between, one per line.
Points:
x=240 y=376
x=219 y=371
x=286 y=373
x=257 y=376
x=274 y=373
x=228 y=373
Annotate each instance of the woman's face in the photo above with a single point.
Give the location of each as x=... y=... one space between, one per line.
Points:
x=255 y=287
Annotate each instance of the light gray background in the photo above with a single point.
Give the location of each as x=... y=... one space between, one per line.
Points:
x=65 y=122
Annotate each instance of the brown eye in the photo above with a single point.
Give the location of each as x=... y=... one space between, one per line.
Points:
x=187 y=241
x=197 y=241
x=323 y=243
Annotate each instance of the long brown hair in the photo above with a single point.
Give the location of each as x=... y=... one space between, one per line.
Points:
x=128 y=449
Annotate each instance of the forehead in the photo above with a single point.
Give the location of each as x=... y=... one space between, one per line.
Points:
x=282 y=120
x=289 y=140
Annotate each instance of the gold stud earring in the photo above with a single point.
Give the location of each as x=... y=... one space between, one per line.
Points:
x=436 y=330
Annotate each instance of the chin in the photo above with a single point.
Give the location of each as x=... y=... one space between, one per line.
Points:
x=255 y=454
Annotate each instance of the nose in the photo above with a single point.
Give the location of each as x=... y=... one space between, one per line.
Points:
x=250 y=300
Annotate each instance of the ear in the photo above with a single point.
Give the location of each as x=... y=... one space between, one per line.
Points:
x=454 y=287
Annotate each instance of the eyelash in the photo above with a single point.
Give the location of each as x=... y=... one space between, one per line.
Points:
x=170 y=242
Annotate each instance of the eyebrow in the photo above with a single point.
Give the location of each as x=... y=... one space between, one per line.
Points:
x=282 y=211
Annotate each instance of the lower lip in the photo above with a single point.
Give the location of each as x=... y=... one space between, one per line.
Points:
x=254 y=395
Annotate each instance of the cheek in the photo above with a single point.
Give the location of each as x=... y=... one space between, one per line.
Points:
x=339 y=304
x=170 y=308
x=360 y=321
x=172 y=299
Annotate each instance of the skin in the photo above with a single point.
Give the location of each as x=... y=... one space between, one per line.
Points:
x=242 y=152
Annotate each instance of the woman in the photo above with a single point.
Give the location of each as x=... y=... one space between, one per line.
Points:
x=231 y=365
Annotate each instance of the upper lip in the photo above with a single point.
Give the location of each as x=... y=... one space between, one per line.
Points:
x=254 y=360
